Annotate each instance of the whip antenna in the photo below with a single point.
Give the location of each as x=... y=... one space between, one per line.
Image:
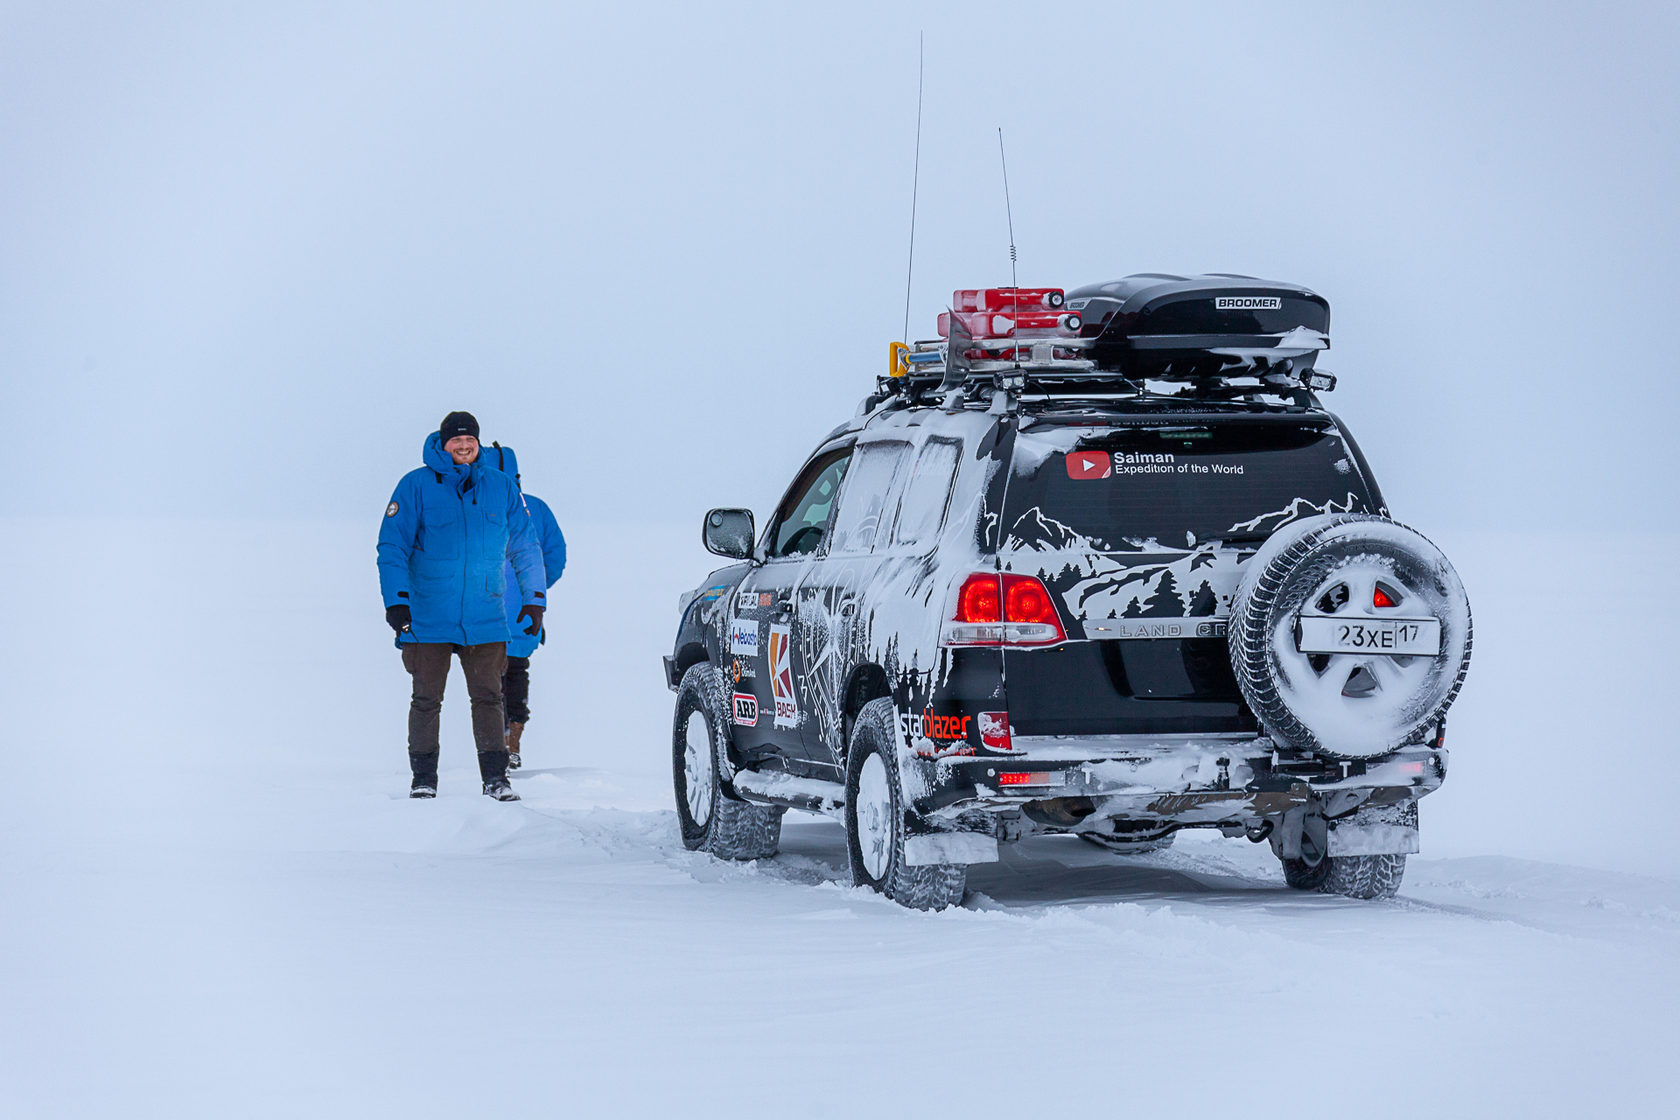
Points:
x=1006 y=210
x=1014 y=288
x=915 y=183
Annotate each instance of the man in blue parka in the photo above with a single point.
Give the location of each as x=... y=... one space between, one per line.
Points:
x=516 y=682
x=451 y=532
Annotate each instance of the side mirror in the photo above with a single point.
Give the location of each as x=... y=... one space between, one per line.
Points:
x=729 y=532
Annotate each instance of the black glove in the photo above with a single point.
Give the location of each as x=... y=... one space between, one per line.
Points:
x=398 y=618
x=534 y=613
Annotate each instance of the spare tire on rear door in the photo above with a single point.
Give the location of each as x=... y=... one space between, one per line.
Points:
x=1350 y=634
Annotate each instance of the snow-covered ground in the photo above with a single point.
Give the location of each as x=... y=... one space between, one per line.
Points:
x=217 y=900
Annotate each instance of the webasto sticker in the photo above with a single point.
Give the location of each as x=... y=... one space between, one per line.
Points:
x=743 y=637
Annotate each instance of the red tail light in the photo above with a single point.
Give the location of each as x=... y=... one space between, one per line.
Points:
x=1381 y=598
x=1026 y=600
x=979 y=600
x=1004 y=610
x=1014 y=779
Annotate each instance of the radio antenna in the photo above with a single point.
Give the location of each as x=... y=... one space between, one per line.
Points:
x=915 y=184
x=1014 y=287
x=1008 y=213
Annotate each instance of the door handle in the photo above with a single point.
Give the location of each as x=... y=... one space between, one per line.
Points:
x=784 y=603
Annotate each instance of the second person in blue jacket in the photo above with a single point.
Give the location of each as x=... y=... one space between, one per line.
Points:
x=516 y=681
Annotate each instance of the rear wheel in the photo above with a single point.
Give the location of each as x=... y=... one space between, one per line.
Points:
x=712 y=819
x=1364 y=877
x=876 y=820
x=1304 y=876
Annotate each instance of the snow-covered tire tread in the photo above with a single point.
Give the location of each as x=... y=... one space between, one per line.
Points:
x=1364 y=877
x=930 y=887
x=734 y=829
x=1250 y=630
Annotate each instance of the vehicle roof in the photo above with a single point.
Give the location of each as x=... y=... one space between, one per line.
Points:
x=1117 y=412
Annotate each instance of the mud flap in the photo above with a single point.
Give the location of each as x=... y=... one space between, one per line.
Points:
x=1376 y=830
x=949 y=847
x=1300 y=830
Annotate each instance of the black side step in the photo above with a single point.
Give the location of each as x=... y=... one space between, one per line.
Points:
x=776 y=788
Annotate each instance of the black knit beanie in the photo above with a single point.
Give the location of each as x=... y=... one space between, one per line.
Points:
x=458 y=424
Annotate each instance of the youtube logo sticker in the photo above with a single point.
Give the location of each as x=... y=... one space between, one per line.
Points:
x=1089 y=464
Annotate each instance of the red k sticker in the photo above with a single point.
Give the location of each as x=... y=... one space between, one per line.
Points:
x=1089 y=464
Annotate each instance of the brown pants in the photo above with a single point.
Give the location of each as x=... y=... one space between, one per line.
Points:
x=428 y=664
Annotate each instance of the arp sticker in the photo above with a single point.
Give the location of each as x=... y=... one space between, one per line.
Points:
x=745 y=706
x=781 y=677
x=743 y=637
x=391 y=510
x=1089 y=464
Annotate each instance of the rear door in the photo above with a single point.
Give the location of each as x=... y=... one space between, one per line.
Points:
x=768 y=699
x=1140 y=535
x=829 y=623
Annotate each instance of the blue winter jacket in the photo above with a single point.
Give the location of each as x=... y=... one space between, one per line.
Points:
x=549 y=537
x=448 y=538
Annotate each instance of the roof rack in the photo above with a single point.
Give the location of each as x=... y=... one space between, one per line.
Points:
x=1216 y=337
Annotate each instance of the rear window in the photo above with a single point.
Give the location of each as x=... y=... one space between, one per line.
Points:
x=1180 y=487
x=921 y=511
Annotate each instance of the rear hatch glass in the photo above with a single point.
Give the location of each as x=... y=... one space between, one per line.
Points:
x=1177 y=487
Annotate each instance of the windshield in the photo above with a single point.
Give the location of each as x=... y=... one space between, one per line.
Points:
x=1177 y=487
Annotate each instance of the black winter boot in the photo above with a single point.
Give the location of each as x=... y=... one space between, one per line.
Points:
x=492 y=767
x=425 y=780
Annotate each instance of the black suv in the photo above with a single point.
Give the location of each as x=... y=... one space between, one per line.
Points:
x=1094 y=563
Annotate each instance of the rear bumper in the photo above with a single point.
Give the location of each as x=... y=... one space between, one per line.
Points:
x=1190 y=780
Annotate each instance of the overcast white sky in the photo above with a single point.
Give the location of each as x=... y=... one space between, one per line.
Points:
x=250 y=255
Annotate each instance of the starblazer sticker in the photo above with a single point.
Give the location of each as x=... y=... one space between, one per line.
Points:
x=781 y=677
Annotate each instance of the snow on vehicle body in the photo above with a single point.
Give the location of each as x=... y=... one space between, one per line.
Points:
x=997 y=601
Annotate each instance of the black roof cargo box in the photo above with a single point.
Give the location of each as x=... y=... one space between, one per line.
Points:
x=1191 y=327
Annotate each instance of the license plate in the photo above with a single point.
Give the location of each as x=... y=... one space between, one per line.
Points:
x=1401 y=637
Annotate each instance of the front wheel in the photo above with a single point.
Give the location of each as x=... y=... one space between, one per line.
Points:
x=712 y=819
x=876 y=824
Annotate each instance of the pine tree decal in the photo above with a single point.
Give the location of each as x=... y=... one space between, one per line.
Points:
x=1165 y=602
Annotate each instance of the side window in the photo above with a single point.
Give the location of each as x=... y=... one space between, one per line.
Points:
x=922 y=509
x=867 y=483
x=802 y=521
